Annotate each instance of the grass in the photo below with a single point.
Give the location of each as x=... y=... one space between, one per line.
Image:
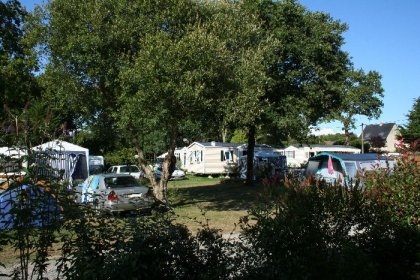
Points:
x=220 y=203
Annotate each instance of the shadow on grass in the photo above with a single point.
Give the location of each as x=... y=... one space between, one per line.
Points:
x=220 y=196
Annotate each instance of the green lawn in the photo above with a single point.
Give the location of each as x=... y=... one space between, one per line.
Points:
x=220 y=202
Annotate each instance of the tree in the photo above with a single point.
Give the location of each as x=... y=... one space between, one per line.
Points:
x=85 y=60
x=176 y=79
x=239 y=136
x=361 y=95
x=411 y=131
x=377 y=142
x=304 y=63
x=17 y=81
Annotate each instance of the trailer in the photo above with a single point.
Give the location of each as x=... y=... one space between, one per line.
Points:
x=344 y=168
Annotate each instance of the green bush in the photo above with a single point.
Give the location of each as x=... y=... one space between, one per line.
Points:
x=322 y=231
x=147 y=248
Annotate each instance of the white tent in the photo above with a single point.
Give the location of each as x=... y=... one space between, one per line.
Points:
x=71 y=159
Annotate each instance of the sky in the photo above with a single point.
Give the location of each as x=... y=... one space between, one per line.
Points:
x=382 y=36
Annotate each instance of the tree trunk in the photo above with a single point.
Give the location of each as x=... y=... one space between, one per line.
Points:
x=250 y=157
x=168 y=167
x=347 y=133
x=224 y=134
x=141 y=160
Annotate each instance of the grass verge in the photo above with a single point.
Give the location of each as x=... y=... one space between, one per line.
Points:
x=218 y=202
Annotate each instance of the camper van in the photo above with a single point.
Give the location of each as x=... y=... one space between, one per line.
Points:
x=333 y=167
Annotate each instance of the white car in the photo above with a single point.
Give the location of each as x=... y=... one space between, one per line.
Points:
x=115 y=193
x=133 y=170
x=178 y=174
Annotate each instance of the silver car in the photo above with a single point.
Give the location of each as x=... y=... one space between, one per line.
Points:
x=115 y=193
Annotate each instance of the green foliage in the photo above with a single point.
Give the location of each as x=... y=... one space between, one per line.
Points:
x=17 y=81
x=398 y=188
x=411 y=131
x=358 y=144
x=377 y=142
x=361 y=95
x=147 y=247
x=322 y=231
x=125 y=156
x=239 y=136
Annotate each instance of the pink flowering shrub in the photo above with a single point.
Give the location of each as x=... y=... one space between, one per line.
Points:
x=398 y=189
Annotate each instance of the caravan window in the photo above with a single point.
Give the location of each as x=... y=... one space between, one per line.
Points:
x=351 y=169
x=312 y=167
x=290 y=154
x=226 y=155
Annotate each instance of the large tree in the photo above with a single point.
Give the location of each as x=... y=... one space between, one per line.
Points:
x=410 y=132
x=361 y=95
x=305 y=64
x=202 y=71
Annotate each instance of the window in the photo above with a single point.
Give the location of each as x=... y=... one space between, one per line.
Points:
x=198 y=156
x=351 y=169
x=226 y=155
x=290 y=154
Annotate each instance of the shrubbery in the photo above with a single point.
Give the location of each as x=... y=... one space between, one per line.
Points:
x=295 y=230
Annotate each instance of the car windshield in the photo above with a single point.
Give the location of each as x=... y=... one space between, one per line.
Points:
x=129 y=169
x=121 y=182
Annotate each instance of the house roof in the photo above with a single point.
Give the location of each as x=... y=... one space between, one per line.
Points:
x=217 y=144
x=321 y=146
x=374 y=130
x=261 y=146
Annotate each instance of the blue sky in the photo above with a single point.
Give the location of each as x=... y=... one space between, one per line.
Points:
x=383 y=36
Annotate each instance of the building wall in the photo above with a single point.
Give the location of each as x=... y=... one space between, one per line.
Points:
x=391 y=140
x=195 y=163
x=212 y=161
x=298 y=156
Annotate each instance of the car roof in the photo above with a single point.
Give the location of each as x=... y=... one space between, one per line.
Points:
x=107 y=175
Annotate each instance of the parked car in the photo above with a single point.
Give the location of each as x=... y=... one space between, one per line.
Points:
x=133 y=170
x=115 y=193
x=178 y=174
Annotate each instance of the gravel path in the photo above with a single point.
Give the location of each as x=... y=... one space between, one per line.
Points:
x=51 y=273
